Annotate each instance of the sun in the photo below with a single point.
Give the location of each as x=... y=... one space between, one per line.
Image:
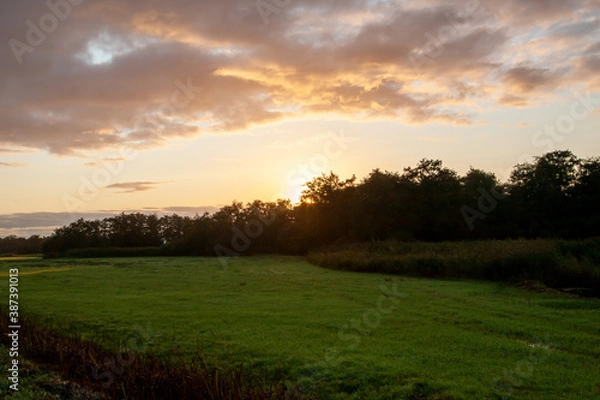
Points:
x=294 y=192
x=296 y=184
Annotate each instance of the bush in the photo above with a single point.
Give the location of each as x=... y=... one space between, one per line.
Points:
x=558 y=264
x=96 y=252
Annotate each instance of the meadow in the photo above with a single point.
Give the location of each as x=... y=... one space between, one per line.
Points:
x=329 y=334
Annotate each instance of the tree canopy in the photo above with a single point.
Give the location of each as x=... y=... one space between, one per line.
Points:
x=556 y=195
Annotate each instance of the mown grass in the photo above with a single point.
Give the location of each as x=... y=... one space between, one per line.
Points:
x=331 y=334
x=558 y=264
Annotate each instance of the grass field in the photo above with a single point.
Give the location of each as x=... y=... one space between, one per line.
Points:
x=335 y=334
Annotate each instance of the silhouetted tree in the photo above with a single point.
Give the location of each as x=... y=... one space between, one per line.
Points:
x=585 y=194
x=437 y=194
x=324 y=214
x=19 y=245
x=555 y=195
x=384 y=208
x=540 y=193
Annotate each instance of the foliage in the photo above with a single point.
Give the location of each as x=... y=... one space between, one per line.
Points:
x=13 y=245
x=96 y=252
x=555 y=196
x=558 y=264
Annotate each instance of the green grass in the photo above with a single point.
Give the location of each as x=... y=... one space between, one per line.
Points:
x=336 y=334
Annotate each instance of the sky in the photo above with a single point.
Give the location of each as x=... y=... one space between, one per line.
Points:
x=182 y=106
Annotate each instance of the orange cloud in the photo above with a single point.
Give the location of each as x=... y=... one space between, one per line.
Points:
x=132 y=187
x=139 y=74
x=11 y=164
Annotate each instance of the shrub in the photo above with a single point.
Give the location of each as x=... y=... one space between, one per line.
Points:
x=555 y=263
x=96 y=252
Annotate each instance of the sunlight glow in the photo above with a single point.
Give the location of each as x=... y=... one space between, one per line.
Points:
x=294 y=193
x=105 y=47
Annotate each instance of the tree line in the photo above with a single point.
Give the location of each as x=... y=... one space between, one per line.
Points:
x=556 y=195
x=13 y=245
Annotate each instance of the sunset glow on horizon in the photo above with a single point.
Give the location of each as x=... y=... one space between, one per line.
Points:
x=184 y=106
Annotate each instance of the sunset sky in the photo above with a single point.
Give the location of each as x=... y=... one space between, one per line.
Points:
x=181 y=106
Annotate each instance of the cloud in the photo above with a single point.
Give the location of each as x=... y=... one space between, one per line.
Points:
x=9 y=150
x=44 y=219
x=543 y=12
x=140 y=74
x=40 y=223
x=182 y=210
x=587 y=27
x=102 y=161
x=525 y=80
x=133 y=187
x=12 y=164
x=44 y=223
